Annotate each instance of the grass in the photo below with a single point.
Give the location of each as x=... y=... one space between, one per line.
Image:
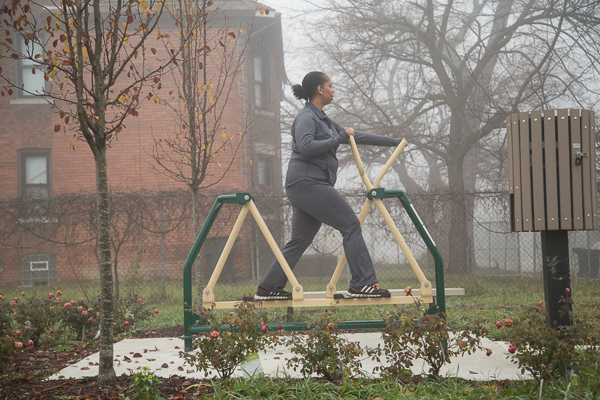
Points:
x=380 y=389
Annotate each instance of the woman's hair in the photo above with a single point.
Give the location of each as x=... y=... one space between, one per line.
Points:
x=309 y=86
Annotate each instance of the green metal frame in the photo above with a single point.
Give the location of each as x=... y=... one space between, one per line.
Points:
x=190 y=318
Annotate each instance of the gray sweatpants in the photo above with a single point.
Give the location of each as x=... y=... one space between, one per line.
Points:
x=314 y=203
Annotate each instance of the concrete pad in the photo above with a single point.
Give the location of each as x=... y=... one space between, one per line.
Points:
x=161 y=355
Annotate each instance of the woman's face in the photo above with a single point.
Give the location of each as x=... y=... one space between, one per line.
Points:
x=326 y=91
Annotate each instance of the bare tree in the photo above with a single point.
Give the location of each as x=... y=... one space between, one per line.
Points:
x=205 y=143
x=445 y=74
x=92 y=54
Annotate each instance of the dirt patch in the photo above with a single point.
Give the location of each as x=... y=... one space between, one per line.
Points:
x=33 y=366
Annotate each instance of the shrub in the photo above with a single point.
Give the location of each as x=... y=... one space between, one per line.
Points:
x=230 y=340
x=409 y=335
x=76 y=316
x=7 y=350
x=129 y=311
x=35 y=317
x=324 y=350
x=146 y=384
x=24 y=319
x=549 y=352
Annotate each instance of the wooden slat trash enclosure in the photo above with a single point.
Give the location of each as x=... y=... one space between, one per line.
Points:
x=552 y=189
x=552 y=170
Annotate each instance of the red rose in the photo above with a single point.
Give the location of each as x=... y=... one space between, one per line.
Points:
x=488 y=352
x=50 y=295
x=512 y=349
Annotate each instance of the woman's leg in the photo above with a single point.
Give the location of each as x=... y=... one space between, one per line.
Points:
x=325 y=204
x=304 y=229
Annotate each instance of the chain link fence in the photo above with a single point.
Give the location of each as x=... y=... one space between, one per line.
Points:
x=53 y=242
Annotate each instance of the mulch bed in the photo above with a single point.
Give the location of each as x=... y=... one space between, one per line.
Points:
x=34 y=365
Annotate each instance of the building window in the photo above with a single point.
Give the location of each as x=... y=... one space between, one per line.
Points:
x=265 y=171
x=38 y=269
x=260 y=81
x=30 y=75
x=38 y=265
x=35 y=173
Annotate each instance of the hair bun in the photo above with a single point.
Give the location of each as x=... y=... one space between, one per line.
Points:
x=300 y=92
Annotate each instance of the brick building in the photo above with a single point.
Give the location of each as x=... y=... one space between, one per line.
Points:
x=37 y=166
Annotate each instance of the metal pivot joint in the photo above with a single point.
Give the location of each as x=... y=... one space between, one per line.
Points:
x=376 y=193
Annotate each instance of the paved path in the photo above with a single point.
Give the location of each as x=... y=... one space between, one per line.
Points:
x=162 y=356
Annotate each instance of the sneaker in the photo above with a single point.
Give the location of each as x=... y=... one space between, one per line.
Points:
x=264 y=294
x=371 y=290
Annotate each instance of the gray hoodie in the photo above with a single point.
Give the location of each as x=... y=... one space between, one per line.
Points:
x=315 y=139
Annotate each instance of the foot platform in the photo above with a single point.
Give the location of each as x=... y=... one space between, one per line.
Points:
x=319 y=299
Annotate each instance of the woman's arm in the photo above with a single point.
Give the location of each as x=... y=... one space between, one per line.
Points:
x=304 y=131
x=366 y=138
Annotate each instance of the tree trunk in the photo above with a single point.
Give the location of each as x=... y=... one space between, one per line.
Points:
x=106 y=372
x=458 y=232
x=116 y=277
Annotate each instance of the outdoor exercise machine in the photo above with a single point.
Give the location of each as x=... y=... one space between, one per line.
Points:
x=330 y=297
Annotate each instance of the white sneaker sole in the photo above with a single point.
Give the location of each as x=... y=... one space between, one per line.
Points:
x=263 y=298
x=361 y=295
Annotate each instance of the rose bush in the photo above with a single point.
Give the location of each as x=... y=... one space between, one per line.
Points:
x=550 y=352
x=230 y=340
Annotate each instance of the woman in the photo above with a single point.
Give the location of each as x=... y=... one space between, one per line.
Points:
x=311 y=175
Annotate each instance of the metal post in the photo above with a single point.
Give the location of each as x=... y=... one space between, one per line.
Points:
x=505 y=249
x=534 y=252
x=519 y=253
x=589 y=254
x=557 y=278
